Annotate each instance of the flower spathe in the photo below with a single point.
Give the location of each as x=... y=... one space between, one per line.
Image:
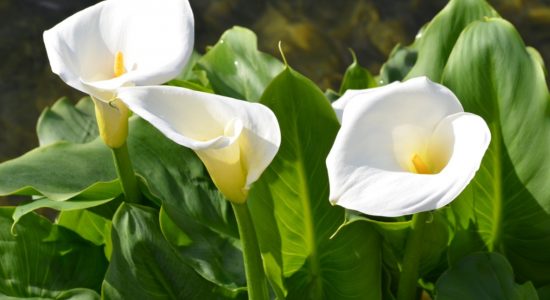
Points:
x=119 y=43
x=404 y=148
x=236 y=140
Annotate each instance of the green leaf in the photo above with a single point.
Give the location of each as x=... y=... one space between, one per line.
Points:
x=87 y=224
x=67 y=122
x=176 y=177
x=465 y=241
x=69 y=205
x=188 y=72
x=61 y=171
x=51 y=170
x=482 y=276
x=290 y=209
x=428 y=54
x=394 y=235
x=494 y=76
x=47 y=261
x=356 y=77
x=544 y=292
x=399 y=64
x=214 y=255
x=436 y=41
x=332 y=95
x=72 y=294
x=236 y=68
x=144 y=265
x=171 y=231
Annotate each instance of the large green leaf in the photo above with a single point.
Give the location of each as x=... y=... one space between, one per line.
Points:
x=176 y=176
x=67 y=122
x=290 y=208
x=144 y=265
x=236 y=68
x=496 y=77
x=46 y=261
x=428 y=54
x=436 y=41
x=72 y=205
x=61 y=171
x=214 y=255
x=482 y=276
x=89 y=225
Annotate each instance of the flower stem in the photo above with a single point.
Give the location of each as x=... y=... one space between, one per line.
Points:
x=255 y=276
x=408 y=280
x=126 y=174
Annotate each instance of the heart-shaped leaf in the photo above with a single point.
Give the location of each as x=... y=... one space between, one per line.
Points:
x=428 y=54
x=436 y=40
x=496 y=77
x=291 y=212
x=236 y=68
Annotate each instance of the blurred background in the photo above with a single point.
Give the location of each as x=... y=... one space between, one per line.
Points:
x=316 y=35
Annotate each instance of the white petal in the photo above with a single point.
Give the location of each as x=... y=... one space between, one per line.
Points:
x=340 y=104
x=77 y=50
x=378 y=127
x=235 y=139
x=155 y=39
x=390 y=193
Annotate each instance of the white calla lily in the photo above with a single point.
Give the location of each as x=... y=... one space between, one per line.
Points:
x=403 y=148
x=119 y=43
x=236 y=140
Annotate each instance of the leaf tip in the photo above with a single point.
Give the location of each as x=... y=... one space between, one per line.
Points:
x=280 y=46
x=353 y=55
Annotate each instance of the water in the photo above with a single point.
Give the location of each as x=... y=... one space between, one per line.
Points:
x=316 y=35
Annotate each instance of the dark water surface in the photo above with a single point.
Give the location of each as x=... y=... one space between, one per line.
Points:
x=316 y=35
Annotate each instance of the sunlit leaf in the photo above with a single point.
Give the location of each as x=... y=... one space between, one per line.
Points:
x=290 y=208
x=496 y=77
x=87 y=224
x=67 y=122
x=236 y=68
x=436 y=40
x=428 y=54
x=61 y=171
x=70 y=205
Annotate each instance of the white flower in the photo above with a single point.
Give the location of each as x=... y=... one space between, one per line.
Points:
x=236 y=140
x=403 y=148
x=119 y=43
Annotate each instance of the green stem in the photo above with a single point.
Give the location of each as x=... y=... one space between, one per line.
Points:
x=255 y=276
x=126 y=174
x=413 y=252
